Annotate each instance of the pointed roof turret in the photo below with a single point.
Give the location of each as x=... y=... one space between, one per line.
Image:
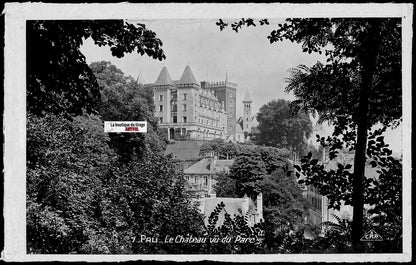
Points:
x=164 y=78
x=187 y=77
x=247 y=97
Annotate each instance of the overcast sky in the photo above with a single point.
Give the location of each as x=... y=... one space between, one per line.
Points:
x=246 y=57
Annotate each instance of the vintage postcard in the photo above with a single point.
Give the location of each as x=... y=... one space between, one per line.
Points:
x=226 y=132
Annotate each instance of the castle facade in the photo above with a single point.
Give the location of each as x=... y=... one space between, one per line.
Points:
x=190 y=110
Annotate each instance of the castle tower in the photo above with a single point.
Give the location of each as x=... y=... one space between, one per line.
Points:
x=226 y=92
x=162 y=93
x=188 y=77
x=247 y=113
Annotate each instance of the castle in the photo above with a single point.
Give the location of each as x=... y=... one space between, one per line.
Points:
x=189 y=110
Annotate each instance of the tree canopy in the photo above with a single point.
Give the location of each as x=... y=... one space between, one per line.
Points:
x=87 y=191
x=358 y=87
x=280 y=127
x=58 y=77
x=123 y=99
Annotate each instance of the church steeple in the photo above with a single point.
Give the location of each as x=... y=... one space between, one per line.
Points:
x=247 y=113
x=247 y=98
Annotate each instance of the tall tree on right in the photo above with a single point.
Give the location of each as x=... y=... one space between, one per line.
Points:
x=358 y=87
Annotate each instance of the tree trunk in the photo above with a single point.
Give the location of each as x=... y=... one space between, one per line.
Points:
x=368 y=60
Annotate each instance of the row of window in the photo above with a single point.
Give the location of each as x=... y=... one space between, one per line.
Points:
x=174 y=108
x=174 y=119
x=203 y=101
x=174 y=96
x=185 y=120
x=195 y=179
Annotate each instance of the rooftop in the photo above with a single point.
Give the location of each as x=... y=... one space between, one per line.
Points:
x=188 y=77
x=247 y=97
x=164 y=78
x=204 y=166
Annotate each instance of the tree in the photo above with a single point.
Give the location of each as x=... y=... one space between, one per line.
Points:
x=66 y=160
x=358 y=87
x=58 y=78
x=280 y=127
x=224 y=150
x=81 y=199
x=246 y=170
x=283 y=202
x=284 y=206
x=123 y=99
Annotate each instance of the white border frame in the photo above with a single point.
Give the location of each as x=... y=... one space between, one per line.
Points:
x=14 y=128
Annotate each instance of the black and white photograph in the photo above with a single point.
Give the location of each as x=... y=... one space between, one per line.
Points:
x=207 y=131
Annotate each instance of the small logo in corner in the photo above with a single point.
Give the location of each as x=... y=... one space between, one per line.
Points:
x=371 y=235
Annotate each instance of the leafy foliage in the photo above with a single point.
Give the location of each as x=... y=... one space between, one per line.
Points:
x=358 y=87
x=123 y=99
x=280 y=127
x=82 y=200
x=234 y=229
x=265 y=170
x=65 y=162
x=58 y=77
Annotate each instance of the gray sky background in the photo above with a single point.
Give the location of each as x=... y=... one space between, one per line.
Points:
x=246 y=57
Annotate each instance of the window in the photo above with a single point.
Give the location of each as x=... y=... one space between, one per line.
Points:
x=175 y=119
x=184 y=96
x=184 y=107
x=160 y=108
x=160 y=97
x=161 y=120
x=187 y=177
x=184 y=119
x=206 y=180
x=195 y=179
x=174 y=108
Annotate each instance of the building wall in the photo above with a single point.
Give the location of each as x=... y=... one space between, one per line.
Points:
x=163 y=91
x=226 y=92
x=316 y=206
x=202 y=183
x=205 y=117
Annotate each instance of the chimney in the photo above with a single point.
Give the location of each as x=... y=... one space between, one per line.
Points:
x=212 y=162
x=259 y=206
x=244 y=206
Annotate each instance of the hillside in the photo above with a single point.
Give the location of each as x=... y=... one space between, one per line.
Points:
x=184 y=150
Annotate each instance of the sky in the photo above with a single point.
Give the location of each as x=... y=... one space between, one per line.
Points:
x=246 y=58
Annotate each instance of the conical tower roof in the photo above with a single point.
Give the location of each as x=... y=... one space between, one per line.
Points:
x=247 y=97
x=187 y=77
x=164 y=78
